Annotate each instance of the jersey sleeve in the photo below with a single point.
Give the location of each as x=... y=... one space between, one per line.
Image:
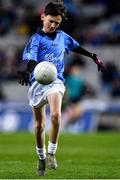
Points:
x=31 y=49
x=69 y=43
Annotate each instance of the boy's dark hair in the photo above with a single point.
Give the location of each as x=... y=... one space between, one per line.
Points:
x=55 y=10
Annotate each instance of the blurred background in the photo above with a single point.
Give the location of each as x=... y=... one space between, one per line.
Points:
x=92 y=99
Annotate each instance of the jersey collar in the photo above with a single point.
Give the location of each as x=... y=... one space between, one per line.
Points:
x=50 y=35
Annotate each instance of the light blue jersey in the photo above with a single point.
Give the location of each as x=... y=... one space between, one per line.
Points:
x=41 y=47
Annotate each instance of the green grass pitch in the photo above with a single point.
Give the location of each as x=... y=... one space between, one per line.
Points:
x=80 y=156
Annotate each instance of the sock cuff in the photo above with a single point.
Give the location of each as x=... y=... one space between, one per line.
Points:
x=52 y=144
x=40 y=150
x=52 y=148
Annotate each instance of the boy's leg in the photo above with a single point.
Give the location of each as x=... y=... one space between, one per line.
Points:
x=55 y=101
x=39 y=128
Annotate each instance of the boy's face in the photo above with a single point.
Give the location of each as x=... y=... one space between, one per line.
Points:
x=50 y=23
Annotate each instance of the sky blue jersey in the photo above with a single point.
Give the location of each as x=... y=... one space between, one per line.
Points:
x=41 y=47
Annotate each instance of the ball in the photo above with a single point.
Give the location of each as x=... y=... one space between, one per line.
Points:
x=45 y=72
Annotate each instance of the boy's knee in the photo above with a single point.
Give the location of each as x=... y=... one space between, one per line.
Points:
x=55 y=118
x=39 y=126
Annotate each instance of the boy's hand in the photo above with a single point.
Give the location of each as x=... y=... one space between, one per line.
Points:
x=101 y=66
x=23 y=77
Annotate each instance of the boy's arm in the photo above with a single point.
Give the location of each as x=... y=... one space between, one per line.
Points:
x=93 y=56
x=24 y=75
x=31 y=65
x=30 y=54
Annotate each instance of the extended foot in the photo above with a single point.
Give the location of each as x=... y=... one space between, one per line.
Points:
x=52 y=162
x=41 y=167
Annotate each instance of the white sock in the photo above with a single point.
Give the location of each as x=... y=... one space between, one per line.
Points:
x=41 y=152
x=52 y=148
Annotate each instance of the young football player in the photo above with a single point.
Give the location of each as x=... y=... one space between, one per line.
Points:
x=49 y=44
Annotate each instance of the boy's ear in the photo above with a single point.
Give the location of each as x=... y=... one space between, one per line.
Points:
x=42 y=16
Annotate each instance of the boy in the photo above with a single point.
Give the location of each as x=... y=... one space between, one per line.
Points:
x=49 y=44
